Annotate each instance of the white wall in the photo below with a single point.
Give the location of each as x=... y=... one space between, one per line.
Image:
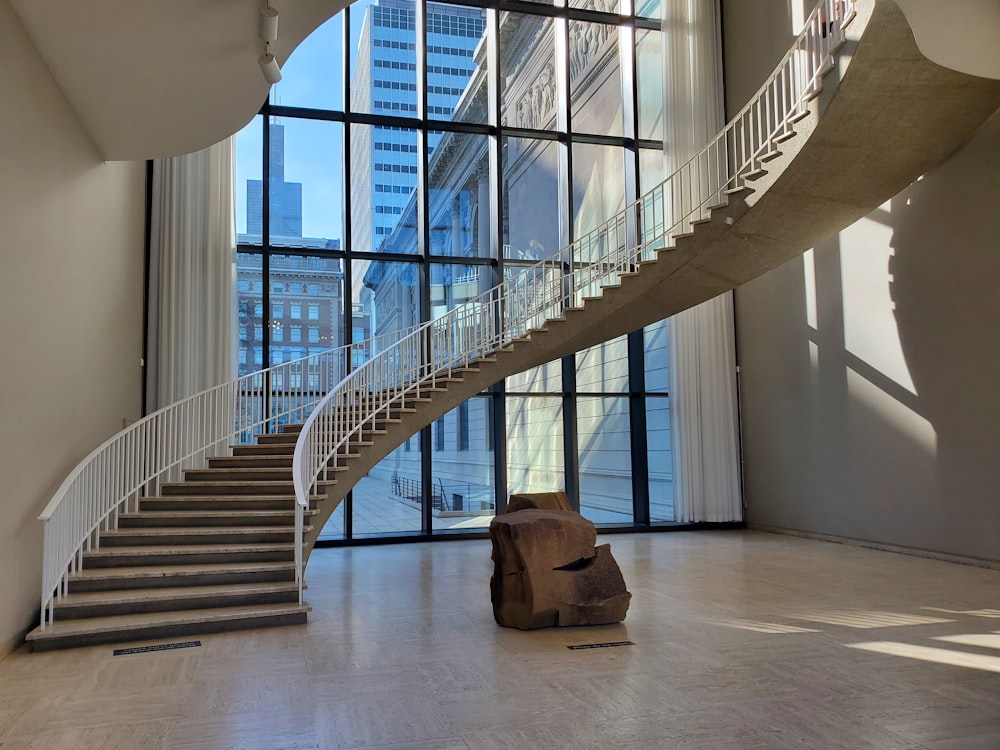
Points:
x=71 y=244
x=870 y=367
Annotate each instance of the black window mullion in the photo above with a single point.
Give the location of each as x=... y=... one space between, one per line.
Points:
x=637 y=427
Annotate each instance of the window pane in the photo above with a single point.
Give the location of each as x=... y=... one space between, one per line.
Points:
x=605 y=459
x=648 y=8
x=604 y=6
x=531 y=198
x=383 y=189
x=384 y=58
x=595 y=78
x=661 y=475
x=535 y=455
x=250 y=309
x=459 y=183
x=454 y=284
x=598 y=185
x=545 y=378
x=654 y=340
x=528 y=85
x=386 y=295
x=651 y=169
x=305 y=184
x=313 y=74
x=463 y=496
x=334 y=527
x=649 y=82
x=604 y=367
x=249 y=171
x=387 y=499
x=456 y=63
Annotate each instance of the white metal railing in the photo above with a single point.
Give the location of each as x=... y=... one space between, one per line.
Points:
x=158 y=448
x=425 y=357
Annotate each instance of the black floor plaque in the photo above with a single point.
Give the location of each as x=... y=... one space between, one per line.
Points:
x=612 y=644
x=159 y=647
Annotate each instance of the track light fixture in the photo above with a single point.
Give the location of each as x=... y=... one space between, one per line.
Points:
x=267 y=30
x=269 y=67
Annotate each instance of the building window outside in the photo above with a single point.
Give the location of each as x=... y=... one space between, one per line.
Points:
x=473 y=215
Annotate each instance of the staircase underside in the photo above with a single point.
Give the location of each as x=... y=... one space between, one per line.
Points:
x=883 y=118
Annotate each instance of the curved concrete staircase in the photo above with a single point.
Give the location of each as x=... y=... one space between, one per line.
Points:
x=215 y=551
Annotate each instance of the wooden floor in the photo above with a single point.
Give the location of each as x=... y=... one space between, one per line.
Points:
x=741 y=640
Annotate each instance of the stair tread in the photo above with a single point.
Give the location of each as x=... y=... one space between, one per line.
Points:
x=127 y=596
x=234 y=498
x=195 y=530
x=187 y=549
x=165 y=514
x=91 y=625
x=190 y=569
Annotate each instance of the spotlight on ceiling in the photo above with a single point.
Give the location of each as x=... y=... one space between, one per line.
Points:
x=268 y=28
x=269 y=67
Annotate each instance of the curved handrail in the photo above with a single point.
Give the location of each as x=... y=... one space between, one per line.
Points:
x=571 y=275
x=157 y=448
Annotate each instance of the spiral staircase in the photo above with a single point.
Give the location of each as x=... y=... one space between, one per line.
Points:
x=201 y=517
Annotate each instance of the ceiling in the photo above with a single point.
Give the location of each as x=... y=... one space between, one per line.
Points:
x=154 y=78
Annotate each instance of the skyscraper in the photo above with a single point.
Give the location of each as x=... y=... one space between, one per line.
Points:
x=385 y=159
x=285 y=197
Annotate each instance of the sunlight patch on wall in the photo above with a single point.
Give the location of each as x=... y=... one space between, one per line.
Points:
x=870 y=331
x=935 y=655
x=809 y=272
x=900 y=417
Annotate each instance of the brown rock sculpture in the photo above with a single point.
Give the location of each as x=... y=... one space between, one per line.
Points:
x=547 y=571
x=540 y=500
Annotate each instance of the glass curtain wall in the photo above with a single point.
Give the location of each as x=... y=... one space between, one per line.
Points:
x=414 y=154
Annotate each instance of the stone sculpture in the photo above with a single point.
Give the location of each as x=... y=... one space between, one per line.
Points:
x=547 y=571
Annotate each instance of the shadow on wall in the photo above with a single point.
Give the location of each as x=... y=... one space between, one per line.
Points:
x=873 y=412
x=945 y=274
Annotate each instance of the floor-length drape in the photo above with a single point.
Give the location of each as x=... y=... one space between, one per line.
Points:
x=703 y=404
x=192 y=271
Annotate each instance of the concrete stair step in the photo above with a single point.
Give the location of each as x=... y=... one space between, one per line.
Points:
x=187 y=554
x=210 y=518
x=239 y=474
x=230 y=488
x=98 y=630
x=167 y=599
x=223 y=502
x=172 y=576
x=196 y=535
x=261 y=461
x=272 y=449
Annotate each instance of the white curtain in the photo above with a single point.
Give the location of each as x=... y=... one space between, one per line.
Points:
x=703 y=406
x=192 y=300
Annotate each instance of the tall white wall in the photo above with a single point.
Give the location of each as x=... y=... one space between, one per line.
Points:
x=71 y=250
x=870 y=366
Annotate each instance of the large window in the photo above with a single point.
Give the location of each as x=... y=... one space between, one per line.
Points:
x=414 y=154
